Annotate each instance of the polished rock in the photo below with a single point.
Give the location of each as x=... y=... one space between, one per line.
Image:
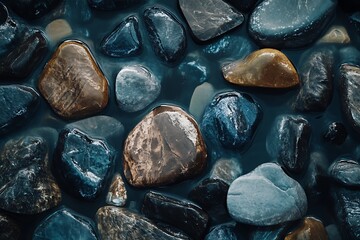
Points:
x=58 y=29
x=194 y=69
x=345 y=172
x=310 y=229
x=117 y=194
x=226 y=169
x=336 y=34
x=202 y=95
x=34 y=9
x=335 y=133
x=224 y=232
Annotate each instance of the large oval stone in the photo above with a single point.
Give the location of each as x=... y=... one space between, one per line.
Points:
x=165 y=147
x=266 y=196
x=73 y=83
x=267 y=68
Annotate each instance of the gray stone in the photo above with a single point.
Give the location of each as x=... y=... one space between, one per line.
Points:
x=345 y=172
x=200 y=99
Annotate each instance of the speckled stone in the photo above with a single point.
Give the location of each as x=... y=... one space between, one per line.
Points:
x=165 y=147
x=310 y=229
x=117 y=194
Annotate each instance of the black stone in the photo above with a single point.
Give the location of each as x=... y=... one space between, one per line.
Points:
x=224 y=232
x=33 y=9
x=167 y=35
x=108 y=5
x=82 y=164
x=182 y=214
x=350 y=5
x=18 y=104
x=276 y=232
x=346 y=172
x=243 y=5
x=355 y=21
x=335 y=133
x=125 y=40
x=9 y=229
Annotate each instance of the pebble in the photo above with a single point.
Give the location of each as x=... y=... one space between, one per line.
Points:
x=10 y=230
x=336 y=133
x=194 y=69
x=34 y=9
x=201 y=97
x=310 y=229
x=226 y=169
x=336 y=34
x=345 y=172
x=58 y=29
x=117 y=194
x=224 y=231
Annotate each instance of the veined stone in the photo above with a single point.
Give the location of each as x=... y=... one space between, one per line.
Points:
x=117 y=194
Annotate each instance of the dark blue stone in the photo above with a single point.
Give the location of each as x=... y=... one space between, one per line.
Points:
x=224 y=232
x=108 y=5
x=82 y=164
x=124 y=40
x=33 y=9
x=167 y=35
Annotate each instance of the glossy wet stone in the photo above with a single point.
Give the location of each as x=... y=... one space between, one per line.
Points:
x=167 y=35
x=310 y=229
x=135 y=88
x=336 y=34
x=276 y=232
x=316 y=77
x=165 y=147
x=268 y=68
x=224 y=231
x=202 y=95
x=27 y=186
x=230 y=120
x=33 y=9
x=345 y=172
x=226 y=169
x=18 y=105
x=82 y=163
x=301 y=22
x=336 y=133
x=108 y=5
x=189 y=218
x=125 y=40
x=194 y=69
x=65 y=224
x=277 y=199
x=117 y=194
x=10 y=230
x=72 y=82
x=289 y=142
x=210 y=18
x=58 y=29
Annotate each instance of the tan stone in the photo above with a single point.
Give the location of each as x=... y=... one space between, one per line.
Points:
x=73 y=83
x=336 y=34
x=164 y=148
x=58 y=29
x=268 y=68
x=117 y=194
x=311 y=229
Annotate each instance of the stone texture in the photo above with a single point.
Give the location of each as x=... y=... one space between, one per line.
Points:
x=109 y=5
x=164 y=148
x=336 y=34
x=10 y=230
x=33 y=9
x=336 y=133
x=73 y=83
x=210 y=18
x=58 y=29
x=310 y=229
x=117 y=194
x=224 y=232
x=268 y=68
x=201 y=97
x=277 y=199
x=226 y=169
x=194 y=68
x=27 y=186
x=345 y=172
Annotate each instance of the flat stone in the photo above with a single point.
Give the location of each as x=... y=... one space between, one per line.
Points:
x=136 y=87
x=224 y=232
x=210 y=18
x=226 y=169
x=33 y=9
x=165 y=147
x=336 y=133
x=125 y=40
x=73 y=83
x=200 y=99
x=300 y=24
x=310 y=229
x=268 y=68
x=58 y=29
x=27 y=186
x=67 y=225
x=117 y=194
x=167 y=35
x=9 y=228
x=109 y=5
x=345 y=172
x=277 y=199
x=336 y=34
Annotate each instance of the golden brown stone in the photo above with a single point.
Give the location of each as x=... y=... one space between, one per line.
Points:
x=117 y=194
x=73 y=83
x=311 y=229
x=268 y=68
x=164 y=148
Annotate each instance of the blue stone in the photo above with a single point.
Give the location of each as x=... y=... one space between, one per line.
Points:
x=224 y=232
x=193 y=69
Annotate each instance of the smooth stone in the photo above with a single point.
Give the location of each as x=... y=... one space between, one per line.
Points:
x=336 y=34
x=230 y=120
x=226 y=169
x=189 y=217
x=10 y=230
x=82 y=163
x=165 y=147
x=316 y=81
x=333 y=232
x=310 y=229
x=27 y=186
x=268 y=68
x=18 y=104
x=121 y=223
x=80 y=12
x=194 y=69
x=167 y=35
x=72 y=82
x=243 y=5
x=67 y=225
x=300 y=24
x=200 y=99
x=345 y=172
x=349 y=91
x=33 y=9
x=210 y=18
x=124 y=41
x=349 y=55
x=277 y=199
x=109 y=5
x=224 y=232
x=288 y=142
x=117 y=194
x=136 y=87
x=58 y=29
x=335 y=133
x=276 y=232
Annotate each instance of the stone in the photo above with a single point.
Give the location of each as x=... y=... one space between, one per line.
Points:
x=58 y=29
x=267 y=68
x=121 y=223
x=27 y=186
x=72 y=82
x=33 y=9
x=277 y=199
x=310 y=229
x=355 y=21
x=210 y=18
x=82 y=163
x=167 y=35
x=345 y=172
x=109 y=5
x=300 y=24
x=9 y=228
x=230 y=120
x=288 y=142
x=349 y=91
x=18 y=104
x=226 y=169
x=224 y=232
x=194 y=69
x=136 y=87
x=65 y=224
x=189 y=217
x=316 y=81
x=333 y=232
x=335 y=133
x=243 y=5
x=349 y=55
x=165 y=147
x=336 y=34
x=200 y=99
x=276 y=232
x=117 y=194
x=124 y=41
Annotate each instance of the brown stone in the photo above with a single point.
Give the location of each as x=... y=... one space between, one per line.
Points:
x=117 y=194
x=310 y=229
x=164 y=148
x=336 y=34
x=268 y=68
x=73 y=83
